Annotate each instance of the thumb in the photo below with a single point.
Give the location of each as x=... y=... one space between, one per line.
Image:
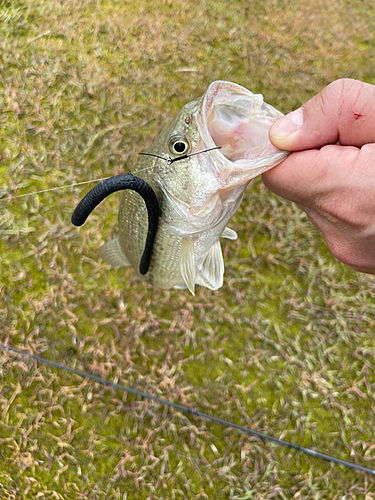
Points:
x=343 y=112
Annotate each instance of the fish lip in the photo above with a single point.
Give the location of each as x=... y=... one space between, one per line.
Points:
x=234 y=173
x=204 y=107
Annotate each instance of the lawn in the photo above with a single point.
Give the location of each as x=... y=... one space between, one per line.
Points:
x=285 y=347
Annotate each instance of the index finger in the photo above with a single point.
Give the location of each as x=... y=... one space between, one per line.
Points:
x=306 y=176
x=343 y=112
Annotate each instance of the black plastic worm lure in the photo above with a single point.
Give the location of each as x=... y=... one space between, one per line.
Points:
x=119 y=183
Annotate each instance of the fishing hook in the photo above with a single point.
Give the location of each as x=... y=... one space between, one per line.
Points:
x=170 y=160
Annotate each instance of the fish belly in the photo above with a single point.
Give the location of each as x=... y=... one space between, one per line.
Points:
x=164 y=269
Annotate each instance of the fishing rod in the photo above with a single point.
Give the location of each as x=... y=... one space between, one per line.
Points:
x=185 y=409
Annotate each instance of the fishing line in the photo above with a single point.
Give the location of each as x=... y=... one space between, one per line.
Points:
x=156 y=399
x=156 y=156
x=190 y=411
x=62 y=187
x=168 y=160
x=53 y=189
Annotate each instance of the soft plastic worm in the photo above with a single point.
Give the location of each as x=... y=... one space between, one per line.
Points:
x=119 y=183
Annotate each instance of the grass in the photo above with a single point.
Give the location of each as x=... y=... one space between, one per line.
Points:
x=285 y=347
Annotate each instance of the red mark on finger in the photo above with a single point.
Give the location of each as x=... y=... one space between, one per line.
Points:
x=357 y=115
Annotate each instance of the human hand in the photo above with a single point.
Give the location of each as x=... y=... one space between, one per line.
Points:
x=331 y=172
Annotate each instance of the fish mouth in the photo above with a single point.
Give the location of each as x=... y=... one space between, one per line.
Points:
x=237 y=121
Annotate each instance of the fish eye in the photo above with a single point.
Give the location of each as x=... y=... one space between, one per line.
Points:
x=178 y=145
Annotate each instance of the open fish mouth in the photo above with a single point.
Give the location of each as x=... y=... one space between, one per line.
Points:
x=238 y=121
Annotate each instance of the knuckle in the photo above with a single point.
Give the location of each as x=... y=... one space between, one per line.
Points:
x=343 y=201
x=352 y=256
x=343 y=211
x=343 y=253
x=341 y=86
x=342 y=94
x=338 y=251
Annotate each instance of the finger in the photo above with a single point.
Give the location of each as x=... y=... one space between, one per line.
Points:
x=336 y=181
x=342 y=112
x=355 y=251
x=306 y=176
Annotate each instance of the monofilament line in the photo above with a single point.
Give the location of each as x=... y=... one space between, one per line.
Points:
x=53 y=189
x=189 y=411
x=170 y=160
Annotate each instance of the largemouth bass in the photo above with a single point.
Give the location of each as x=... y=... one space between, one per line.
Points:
x=173 y=240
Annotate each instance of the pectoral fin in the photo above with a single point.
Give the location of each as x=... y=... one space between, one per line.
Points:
x=229 y=233
x=187 y=263
x=112 y=253
x=212 y=270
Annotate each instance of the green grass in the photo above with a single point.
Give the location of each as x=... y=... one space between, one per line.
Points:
x=285 y=347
